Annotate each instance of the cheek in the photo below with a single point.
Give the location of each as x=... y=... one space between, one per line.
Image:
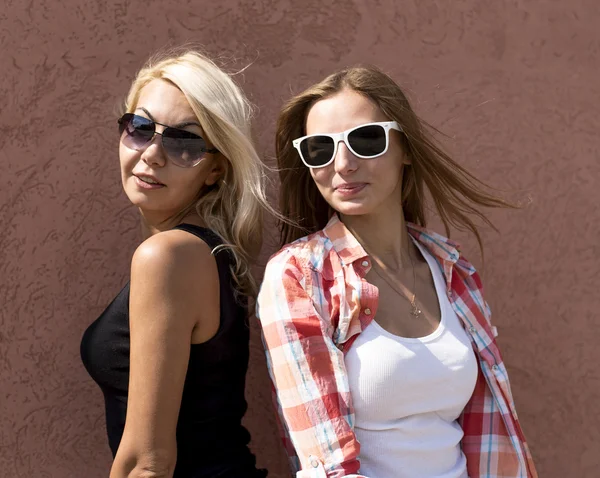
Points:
x=187 y=181
x=127 y=158
x=322 y=177
x=389 y=166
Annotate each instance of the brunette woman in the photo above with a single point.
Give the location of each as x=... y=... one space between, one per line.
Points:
x=379 y=340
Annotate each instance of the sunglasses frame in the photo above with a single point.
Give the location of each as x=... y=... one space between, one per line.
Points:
x=128 y=117
x=343 y=137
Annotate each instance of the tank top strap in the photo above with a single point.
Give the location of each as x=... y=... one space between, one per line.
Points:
x=207 y=235
x=223 y=256
x=210 y=237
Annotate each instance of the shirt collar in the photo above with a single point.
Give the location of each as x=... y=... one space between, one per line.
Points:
x=350 y=250
x=344 y=242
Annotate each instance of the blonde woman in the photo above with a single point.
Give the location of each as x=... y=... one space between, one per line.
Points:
x=170 y=353
x=378 y=338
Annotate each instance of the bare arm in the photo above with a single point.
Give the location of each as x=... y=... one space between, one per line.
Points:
x=174 y=281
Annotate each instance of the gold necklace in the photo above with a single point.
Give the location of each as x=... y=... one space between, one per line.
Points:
x=415 y=311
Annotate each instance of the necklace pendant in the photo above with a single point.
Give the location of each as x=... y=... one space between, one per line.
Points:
x=415 y=312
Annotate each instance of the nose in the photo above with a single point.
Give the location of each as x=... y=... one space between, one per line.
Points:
x=154 y=154
x=344 y=161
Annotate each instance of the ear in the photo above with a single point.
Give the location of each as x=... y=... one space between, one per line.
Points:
x=406 y=158
x=217 y=169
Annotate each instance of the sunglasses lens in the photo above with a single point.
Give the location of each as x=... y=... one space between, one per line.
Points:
x=185 y=149
x=317 y=150
x=135 y=130
x=368 y=141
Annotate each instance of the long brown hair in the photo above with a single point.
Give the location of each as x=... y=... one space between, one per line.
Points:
x=455 y=192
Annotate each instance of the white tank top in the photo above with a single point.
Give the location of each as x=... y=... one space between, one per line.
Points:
x=407 y=394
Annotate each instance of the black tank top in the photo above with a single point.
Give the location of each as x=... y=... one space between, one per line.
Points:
x=211 y=440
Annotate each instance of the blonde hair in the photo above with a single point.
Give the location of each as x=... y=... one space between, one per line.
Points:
x=233 y=207
x=455 y=192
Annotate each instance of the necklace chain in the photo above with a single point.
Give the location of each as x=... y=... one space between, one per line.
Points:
x=415 y=310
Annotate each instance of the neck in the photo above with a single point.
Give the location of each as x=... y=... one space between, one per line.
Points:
x=385 y=237
x=153 y=223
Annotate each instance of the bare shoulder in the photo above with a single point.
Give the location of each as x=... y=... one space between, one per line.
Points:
x=175 y=282
x=175 y=255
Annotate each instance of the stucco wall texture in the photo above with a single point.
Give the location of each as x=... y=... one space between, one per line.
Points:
x=514 y=84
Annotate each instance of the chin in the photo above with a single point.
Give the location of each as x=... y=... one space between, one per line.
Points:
x=139 y=199
x=352 y=209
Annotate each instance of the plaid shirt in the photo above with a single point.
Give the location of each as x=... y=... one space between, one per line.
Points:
x=313 y=303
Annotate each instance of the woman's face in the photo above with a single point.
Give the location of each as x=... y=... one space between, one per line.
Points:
x=178 y=187
x=351 y=185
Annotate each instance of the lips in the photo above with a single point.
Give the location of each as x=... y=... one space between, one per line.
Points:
x=150 y=180
x=349 y=190
x=147 y=182
x=349 y=187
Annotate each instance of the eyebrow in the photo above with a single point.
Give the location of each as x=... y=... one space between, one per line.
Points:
x=178 y=125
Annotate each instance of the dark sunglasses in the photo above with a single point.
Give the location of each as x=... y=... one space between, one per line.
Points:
x=365 y=141
x=183 y=148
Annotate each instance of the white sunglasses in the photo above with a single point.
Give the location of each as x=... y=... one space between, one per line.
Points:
x=365 y=141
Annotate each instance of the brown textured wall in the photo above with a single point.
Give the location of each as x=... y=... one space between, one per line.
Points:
x=514 y=83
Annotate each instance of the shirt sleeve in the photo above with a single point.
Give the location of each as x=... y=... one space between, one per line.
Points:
x=308 y=373
x=488 y=311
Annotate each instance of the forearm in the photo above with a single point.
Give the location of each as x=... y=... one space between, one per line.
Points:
x=148 y=465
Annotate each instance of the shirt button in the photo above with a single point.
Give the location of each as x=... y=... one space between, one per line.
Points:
x=314 y=463
x=367 y=311
x=365 y=263
x=472 y=329
x=495 y=368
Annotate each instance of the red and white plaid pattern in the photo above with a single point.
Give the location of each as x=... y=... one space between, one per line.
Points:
x=311 y=308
